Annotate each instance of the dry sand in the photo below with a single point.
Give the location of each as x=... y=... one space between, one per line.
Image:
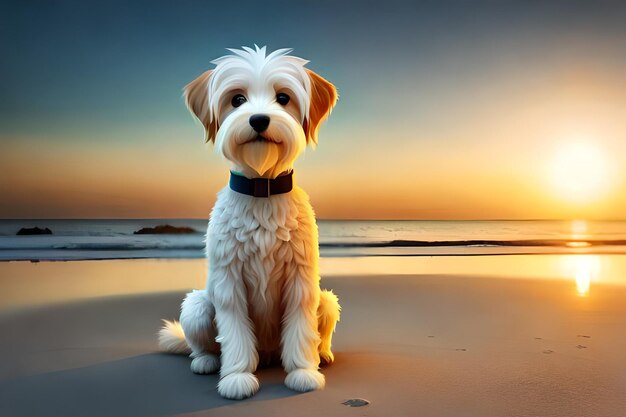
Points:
x=418 y=345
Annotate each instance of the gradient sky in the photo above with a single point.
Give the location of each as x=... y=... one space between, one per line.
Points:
x=447 y=110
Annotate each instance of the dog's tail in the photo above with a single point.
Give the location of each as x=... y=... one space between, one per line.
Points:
x=172 y=338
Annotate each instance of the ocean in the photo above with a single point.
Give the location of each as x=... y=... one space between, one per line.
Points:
x=115 y=239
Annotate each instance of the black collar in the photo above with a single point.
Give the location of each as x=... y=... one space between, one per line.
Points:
x=261 y=187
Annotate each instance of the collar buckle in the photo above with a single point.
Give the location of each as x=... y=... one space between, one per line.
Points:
x=261 y=187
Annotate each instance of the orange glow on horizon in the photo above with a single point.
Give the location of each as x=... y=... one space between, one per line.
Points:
x=114 y=184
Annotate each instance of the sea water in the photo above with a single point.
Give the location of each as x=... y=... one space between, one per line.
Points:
x=115 y=239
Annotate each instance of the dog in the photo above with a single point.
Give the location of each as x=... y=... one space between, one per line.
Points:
x=262 y=299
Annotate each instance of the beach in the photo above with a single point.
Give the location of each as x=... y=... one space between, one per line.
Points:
x=421 y=343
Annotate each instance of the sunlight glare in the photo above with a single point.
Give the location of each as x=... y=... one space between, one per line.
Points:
x=579 y=229
x=584 y=269
x=580 y=172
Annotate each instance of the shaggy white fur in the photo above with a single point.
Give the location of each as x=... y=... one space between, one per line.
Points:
x=262 y=298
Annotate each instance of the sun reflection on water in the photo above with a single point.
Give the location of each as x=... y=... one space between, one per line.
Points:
x=585 y=269
x=578 y=229
x=578 y=234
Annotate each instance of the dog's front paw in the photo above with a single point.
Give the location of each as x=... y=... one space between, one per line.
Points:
x=304 y=380
x=326 y=358
x=238 y=386
x=205 y=364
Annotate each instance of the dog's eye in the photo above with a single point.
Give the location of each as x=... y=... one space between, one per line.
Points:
x=238 y=100
x=282 y=99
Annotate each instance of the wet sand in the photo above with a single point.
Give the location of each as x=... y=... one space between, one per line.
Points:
x=431 y=345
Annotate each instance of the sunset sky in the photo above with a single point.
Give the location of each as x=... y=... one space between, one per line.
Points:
x=447 y=110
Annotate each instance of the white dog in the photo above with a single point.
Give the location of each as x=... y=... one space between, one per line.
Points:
x=262 y=297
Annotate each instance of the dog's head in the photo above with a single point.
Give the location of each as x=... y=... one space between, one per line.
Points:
x=260 y=110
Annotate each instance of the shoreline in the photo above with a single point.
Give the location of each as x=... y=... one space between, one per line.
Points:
x=62 y=281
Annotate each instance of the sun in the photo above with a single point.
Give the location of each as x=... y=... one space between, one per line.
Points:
x=580 y=172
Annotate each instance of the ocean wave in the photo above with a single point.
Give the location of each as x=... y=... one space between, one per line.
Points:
x=93 y=243
x=121 y=244
x=566 y=243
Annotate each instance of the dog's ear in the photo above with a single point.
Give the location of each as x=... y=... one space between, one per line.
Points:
x=323 y=99
x=197 y=100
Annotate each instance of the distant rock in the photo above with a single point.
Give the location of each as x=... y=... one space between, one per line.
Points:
x=24 y=231
x=164 y=229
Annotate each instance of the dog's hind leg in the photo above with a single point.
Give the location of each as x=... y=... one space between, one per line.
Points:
x=327 y=317
x=197 y=320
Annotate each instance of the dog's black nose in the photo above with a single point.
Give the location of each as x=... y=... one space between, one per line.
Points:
x=259 y=122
